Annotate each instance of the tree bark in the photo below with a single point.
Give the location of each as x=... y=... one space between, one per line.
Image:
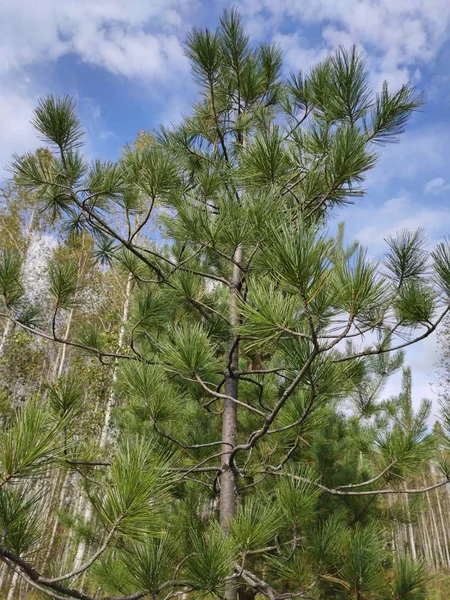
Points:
x=229 y=415
x=412 y=542
x=228 y=480
x=441 y=518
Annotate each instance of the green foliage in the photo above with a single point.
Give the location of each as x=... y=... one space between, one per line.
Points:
x=409 y=580
x=29 y=443
x=298 y=499
x=298 y=256
x=190 y=352
x=20 y=521
x=212 y=559
x=138 y=484
x=362 y=568
x=152 y=171
x=326 y=545
x=407 y=258
x=64 y=285
x=415 y=303
x=255 y=525
x=56 y=120
x=408 y=443
x=357 y=286
x=391 y=111
x=11 y=288
x=66 y=397
x=147 y=388
x=153 y=563
x=441 y=257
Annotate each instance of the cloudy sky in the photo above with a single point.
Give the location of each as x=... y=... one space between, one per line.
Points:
x=123 y=61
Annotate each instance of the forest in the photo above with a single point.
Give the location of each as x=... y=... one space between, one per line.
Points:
x=194 y=356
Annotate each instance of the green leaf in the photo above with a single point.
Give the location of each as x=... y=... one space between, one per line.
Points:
x=204 y=50
x=391 y=113
x=151 y=310
x=152 y=563
x=362 y=561
x=408 y=443
x=66 y=396
x=299 y=256
x=325 y=543
x=298 y=499
x=265 y=162
x=409 y=579
x=407 y=257
x=56 y=120
x=147 y=387
x=130 y=264
x=415 y=303
x=92 y=335
x=348 y=161
x=105 y=181
x=152 y=170
x=20 y=519
x=104 y=251
x=211 y=562
x=357 y=286
x=11 y=288
x=350 y=96
x=190 y=352
x=441 y=258
x=64 y=286
x=112 y=572
x=269 y=313
x=256 y=524
x=30 y=443
x=138 y=487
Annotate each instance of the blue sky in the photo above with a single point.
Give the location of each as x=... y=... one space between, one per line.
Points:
x=123 y=61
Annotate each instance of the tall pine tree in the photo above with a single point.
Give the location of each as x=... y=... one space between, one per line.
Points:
x=231 y=466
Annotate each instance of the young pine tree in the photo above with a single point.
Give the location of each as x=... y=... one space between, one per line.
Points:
x=232 y=467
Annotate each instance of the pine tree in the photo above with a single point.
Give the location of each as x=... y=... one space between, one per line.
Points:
x=234 y=468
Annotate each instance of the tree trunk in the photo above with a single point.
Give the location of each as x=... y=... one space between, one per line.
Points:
x=412 y=542
x=228 y=482
x=441 y=517
x=12 y=586
x=437 y=540
x=5 y=334
x=229 y=415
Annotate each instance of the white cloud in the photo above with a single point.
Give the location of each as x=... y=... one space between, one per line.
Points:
x=127 y=37
x=397 y=35
x=130 y=38
x=398 y=213
x=420 y=153
x=436 y=186
x=297 y=54
x=18 y=135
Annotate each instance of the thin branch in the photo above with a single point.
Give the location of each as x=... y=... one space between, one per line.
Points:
x=31 y=573
x=100 y=353
x=339 y=492
x=144 y=222
x=89 y=562
x=382 y=350
x=256 y=435
x=183 y=445
x=226 y=397
x=369 y=481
